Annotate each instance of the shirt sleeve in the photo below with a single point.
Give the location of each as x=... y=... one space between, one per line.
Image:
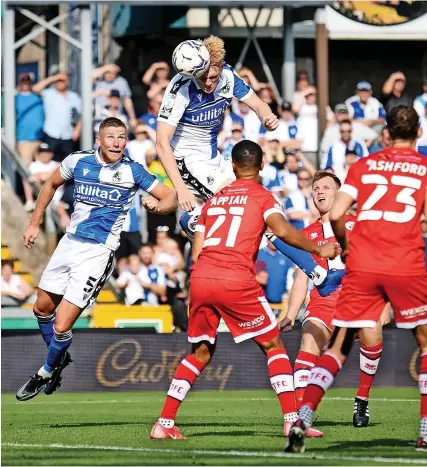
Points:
x=175 y=101
x=329 y=160
x=121 y=280
x=78 y=104
x=289 y=205
x=272 y=205
x=381 y=111
x=201 y=223
x=143 y=178
x=241 y=90
x=351 y=184
x=68 y=165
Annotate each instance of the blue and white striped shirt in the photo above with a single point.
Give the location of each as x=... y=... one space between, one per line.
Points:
x=103 y=194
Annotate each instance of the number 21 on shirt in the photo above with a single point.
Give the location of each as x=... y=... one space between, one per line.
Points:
x=221 y=216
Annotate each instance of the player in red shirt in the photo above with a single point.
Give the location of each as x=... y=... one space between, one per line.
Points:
x=384 y=260
x=223 y=284
x=317 y=320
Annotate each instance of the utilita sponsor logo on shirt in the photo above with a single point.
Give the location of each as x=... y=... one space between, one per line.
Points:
x=94 y=194
x=210 y=116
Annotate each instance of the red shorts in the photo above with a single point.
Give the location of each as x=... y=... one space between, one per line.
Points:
x=241 y=305
x=322 y=310
x=364 y=295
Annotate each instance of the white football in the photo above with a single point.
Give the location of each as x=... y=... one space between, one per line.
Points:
x=191 y=59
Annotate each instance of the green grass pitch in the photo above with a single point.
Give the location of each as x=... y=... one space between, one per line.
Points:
x=223 y=428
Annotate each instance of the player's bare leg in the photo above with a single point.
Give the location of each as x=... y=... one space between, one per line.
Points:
x=371 y=347
x=321 y=378
x=48 y=376
x=421 y=336
x=183 y=379
x=281 y=378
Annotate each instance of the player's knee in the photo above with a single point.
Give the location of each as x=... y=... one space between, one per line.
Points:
x=43 y=308
x=421 y=336
x=273 y=344
x=203 y=352
x=62 y=327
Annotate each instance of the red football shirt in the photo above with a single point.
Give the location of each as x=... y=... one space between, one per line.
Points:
x=321 y=233
x=234 y=222
x=389 y=187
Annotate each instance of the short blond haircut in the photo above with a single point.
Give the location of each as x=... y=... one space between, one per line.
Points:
x=215 y=46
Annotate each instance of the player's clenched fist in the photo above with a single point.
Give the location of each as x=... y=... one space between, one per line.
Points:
x=30 y=235
x=329 y=250
x=270 y=122
x=151 y=204
x=286 y=324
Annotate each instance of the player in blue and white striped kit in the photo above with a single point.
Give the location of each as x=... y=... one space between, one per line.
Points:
x=105 y=184
x=190 y=118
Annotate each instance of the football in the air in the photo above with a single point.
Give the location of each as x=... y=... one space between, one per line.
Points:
x=191 y=59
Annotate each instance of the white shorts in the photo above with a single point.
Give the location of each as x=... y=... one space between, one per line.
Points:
x=78 y=269
x=204 y=178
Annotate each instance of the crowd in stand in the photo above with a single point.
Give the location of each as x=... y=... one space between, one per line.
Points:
x=152 y=268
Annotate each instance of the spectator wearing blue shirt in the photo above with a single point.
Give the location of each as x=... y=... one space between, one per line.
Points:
x=272 y=273
x=270 y=178
x=335 y=157
x=29 y=119
x=229 y=143
x=287 y=131
x=420 y=102
x=153 y=277
x=29 y=127
x=422 y=142
x=150 y=118
x=365 y=108
x=62 y=107
x=298 y=203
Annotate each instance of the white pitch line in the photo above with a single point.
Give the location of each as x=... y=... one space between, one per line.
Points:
x=213 y=399
x=234 y=453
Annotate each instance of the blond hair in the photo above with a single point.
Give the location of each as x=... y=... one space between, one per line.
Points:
x=215 y=46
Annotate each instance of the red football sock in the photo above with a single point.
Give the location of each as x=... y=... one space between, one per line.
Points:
x=304 y=362
x=422 y=381
x=369 y=360
x=185 y=375
x=280 y=371
x=321 y=378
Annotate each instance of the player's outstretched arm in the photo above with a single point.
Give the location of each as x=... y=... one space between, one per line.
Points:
x=162 y=201
x=296 y=300
x=43 y=200
x=163 y=136
x=262 y=109
x=289 y=234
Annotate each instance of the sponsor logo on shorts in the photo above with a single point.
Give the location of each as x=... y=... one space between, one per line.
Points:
x=252 y=324
x=410 y=312
x=305 y=315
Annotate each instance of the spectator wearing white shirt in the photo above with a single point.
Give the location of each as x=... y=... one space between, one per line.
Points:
x=335 y=157
x=365 y=108
x=110 y=80
x=287 y=131
x=308 y=123
x=142 y=149
x=289 y=175
x=113 y=108
x=360 y=131
x=129 y=281
x=40 y=170
x=251 y=122
x=302 y=83
x=420 y=101
x=297 y=204
x=62 y=108
x=14 y=289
